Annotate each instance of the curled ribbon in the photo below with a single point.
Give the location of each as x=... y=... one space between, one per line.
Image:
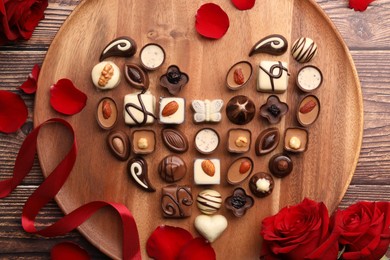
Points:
x=50 y=187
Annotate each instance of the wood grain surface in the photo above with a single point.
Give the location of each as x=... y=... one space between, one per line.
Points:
x=367 y=40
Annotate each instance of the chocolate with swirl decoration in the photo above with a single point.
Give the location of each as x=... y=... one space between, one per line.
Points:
x=139 y=108
x=121 y=46
x=138 y=171
x=304 y=49
x=273 y=44
x=176 y=201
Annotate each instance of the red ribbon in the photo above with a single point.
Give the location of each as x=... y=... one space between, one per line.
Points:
x=50 y=187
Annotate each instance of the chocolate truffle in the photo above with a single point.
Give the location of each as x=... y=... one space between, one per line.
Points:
x=143 y=141
x=119 y=144
x=139 y=108
x=280 y=165
x=174 y=80
x=239 y=140
x=174 y=140
x=106 y=75
x=106 y=113
x=261 y=184
x=209 y=201
x=172 y=110
x=207 y=110
x=308 y=110
x=239 y=202
x=152 y=56
x=172 y=168
x=176 y=201
x=296 y=139
x=238 y=75
x=136 y=76
x=273 y=110
x=138 y=171
x=206 y=140
x=309 y=78
x=240 y=110
x=304 y=49
x=239 y=170
x=267 y=141
x=121 y=46
x=274 y=44
x=207 y=171
x=273 y=77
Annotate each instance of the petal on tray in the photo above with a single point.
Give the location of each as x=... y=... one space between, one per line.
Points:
x=66 y=98
x=13 y=112
x=243 y=4
x=197 y=248
x=30 y=85
x=68 y=250
x=359 y=5
x=211 y=21
x=166 y=242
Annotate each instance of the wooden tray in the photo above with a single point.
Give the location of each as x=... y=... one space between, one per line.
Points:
x=323 y=173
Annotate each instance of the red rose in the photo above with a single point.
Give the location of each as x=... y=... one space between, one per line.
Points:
x=18 y=18
x=299 y=232
x=364 y=230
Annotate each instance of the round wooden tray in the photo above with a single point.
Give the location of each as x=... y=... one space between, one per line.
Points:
x=323 y=173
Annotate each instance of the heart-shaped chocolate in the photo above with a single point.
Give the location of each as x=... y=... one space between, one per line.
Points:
x=210 y=227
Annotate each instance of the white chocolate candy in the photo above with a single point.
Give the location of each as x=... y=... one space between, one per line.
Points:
x=210 y=227
x=137 y=114
x=177 y=117
x=309 y=78
x=209 y=201
x=152 y=56
x=202 y=178
x=273 y=77
x=106 y=75
x=263 y=185
x=304 y=49
x=206 y=140
x=207 y=110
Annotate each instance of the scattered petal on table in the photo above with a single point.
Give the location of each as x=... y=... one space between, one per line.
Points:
x=30 y=85
x=197 y=248
x=359 y=5
x=243 y=4
x=13 y=112
x=66 y=98
x=211 y=21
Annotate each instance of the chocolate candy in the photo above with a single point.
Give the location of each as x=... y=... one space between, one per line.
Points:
x=273 y=77
x=174 y=80
x=238 y=75
x=308 y=110
x=274 y=109
x=174 y=140
x=210 y=227
x=261 y=184
x=106 y=75
x=176 y=201
x=143 y=141
x=119 y=144
x=206 y=140
x=239 y=140
x=274 y=44
x=267 y=141
x=121 y=46
x=239 y=170
x=304 y=49
x=172 y=168
x=139 y=108
x=207 y=110
x=209 y=201
x=136 y=76
x=240 y=110
x=207 y=171
x=239 y=202
x=172 y=110
x=106 y=113
x=280 y=165
x=138 y=171
x=309 y=78
x=152 y=56
x=296 y=139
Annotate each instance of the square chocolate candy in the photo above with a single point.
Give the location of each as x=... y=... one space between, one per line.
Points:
x=172 y=110
x=273 y=77
x=239 y=140
x=143 y=141
x=139 y=108
x=207 y=171
x=176 y=201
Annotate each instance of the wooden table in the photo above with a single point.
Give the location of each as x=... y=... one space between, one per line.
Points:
x=367 y=35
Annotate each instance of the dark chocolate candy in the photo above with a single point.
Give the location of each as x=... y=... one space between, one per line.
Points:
x=261 y=184
x=174 y=80
x=240 y=110
x=274 y=109
x=119 y=144
x=267 y=141
x=273 y=44
x=280 y=165
x=172 y=168
x=138 y=171
x=176 y=201
x=174 y=140
x=239 y=202
x=122 y=46
x=136 y=76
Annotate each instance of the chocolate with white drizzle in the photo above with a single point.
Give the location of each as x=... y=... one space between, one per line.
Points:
x=121 y=46
x=304 y=49
x=273 y=44
x=176 y=201
x=138 y=171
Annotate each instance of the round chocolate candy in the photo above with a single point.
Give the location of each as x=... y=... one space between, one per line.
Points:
x=106 y=75
x=172 y=168
x=261 y=184
x=240 y=110
x=309 y=78
x=206 y=140
x=152 y=56
x=280 y=165
x=304 y=49
x=209 y=201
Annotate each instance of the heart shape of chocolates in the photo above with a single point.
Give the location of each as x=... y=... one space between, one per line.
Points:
x=210 y=227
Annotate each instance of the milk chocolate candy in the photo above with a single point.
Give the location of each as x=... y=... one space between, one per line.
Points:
x=296 y=139
x=143 y=141
x=121 y=46
x=176 y=201
x=308 y=110
x=172 y=168
x=106 y=113
x=174 y=140
x=239 y=140
x=239 y=75
x=239 y=170
x=119 y=145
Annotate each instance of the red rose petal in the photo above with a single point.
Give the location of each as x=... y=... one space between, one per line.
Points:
x=68 y=250
x=211 y=21
x=197 y=248
x=166 y=242
x=359 y=5
x=13 y=112
x=66 y=98
x=243 y=4
x=30 y=85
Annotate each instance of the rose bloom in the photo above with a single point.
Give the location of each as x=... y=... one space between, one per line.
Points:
x=18 y=18
x=299 y=232
x=364 y=230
